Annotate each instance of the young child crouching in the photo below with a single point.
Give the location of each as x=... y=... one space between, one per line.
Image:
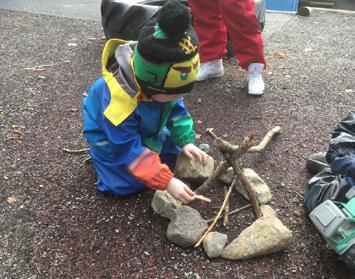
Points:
x=135 y=119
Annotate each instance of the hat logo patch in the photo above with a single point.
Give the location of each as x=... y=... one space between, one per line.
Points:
x=154 y=77
x=184 y=71
x=186 y=45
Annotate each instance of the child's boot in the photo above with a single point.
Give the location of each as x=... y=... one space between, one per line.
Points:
x=256 y=84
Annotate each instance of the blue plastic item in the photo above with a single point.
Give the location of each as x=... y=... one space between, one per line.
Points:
x=282 y=5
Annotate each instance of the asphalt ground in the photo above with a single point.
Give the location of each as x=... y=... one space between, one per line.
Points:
x=54 y=224
x=79 y=9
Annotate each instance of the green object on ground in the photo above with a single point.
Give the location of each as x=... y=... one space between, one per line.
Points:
x=336 y=222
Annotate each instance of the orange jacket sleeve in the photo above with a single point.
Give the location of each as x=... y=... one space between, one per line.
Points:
x=148 y=168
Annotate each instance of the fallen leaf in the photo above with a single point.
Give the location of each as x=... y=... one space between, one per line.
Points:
x=280 y=55
x=18 y=131
x=14 y=126
x=225 y=135
x=199 y=122
x=10 y=137
x=198 y=136
x=199 y=100
x=11 y=200
x=72 y=44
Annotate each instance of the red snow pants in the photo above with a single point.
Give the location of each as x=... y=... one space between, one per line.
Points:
x=214 y=17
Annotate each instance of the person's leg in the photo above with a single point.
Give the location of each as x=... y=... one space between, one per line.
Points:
x=211 y=32
x=243 y=30
x=210 y=29
x=112 y=176
x=246 y=39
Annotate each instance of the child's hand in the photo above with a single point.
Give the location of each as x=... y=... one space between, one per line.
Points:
x=191 y=150
x=180 y=191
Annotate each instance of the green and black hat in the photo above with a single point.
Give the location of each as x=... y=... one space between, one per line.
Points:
x=166 y=58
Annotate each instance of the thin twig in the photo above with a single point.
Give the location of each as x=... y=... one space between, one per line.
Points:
x=231 y=212
x=219 y=214
x=317 y=162
x=39 y=68
x=87 y=159
x=202 y=198
x=226 y=209
x=72 y=151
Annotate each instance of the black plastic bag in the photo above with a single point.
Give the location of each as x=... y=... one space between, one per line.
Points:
x=323 y=186
x=343 y=138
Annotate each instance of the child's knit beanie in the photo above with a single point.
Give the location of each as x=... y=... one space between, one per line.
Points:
x=166 y=58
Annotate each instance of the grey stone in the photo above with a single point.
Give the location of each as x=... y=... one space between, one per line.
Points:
x=164 y=204
x=258 y=185
x=265 y=236
x=205 y=147
x=267 y=210
x=186 y=228
x=191 y=170
x=214 y=243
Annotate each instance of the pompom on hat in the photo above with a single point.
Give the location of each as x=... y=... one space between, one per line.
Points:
x=166 y=58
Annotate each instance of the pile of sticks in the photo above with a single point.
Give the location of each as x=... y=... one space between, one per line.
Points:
x=230 y=154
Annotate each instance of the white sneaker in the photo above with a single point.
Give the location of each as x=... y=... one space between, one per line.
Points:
x=256 y=84
x=213 y=68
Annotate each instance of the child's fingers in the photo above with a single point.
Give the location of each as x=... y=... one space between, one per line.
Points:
x=197 y=154
x=184 y=198
x=189 y=191
x=204 y=157
x=188 y=153
x=200 y=155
